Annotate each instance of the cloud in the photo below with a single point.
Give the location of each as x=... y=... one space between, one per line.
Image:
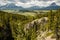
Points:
x=58 y=2
x=2 y=3
x=34 y=3
x=24 y=1
x=29 y=3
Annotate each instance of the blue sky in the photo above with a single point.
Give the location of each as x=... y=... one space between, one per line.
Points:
x=29 y=3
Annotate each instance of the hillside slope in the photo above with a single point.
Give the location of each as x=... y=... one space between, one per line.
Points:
x=21 y=27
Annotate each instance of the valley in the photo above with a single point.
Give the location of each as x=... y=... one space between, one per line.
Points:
x=30 y=25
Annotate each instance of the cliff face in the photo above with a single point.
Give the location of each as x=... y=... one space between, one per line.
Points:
x=38 y=22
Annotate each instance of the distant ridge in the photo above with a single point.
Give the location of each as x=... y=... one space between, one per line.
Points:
x=12 y=6
x=53 y=6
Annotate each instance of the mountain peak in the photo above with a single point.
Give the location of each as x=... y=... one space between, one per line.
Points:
x=53 y=4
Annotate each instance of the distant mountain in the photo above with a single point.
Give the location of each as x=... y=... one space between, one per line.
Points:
x=53 y=6
x=12 y=6
x=33 y=8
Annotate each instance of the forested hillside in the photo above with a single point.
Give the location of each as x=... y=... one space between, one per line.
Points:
x=41 y=26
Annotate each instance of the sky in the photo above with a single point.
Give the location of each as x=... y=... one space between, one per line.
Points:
x=29 y=3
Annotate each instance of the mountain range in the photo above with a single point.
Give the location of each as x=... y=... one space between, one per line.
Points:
x=12 y=6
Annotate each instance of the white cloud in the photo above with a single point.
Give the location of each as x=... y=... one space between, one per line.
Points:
x=58 y=2
x=29 y=3
x=4 y=2
x=34 y=3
